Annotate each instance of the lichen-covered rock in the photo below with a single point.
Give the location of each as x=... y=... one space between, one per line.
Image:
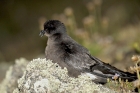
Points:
x=12 y=75
x=43 y=76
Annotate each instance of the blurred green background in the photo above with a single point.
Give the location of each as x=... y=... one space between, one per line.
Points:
x=110 y=29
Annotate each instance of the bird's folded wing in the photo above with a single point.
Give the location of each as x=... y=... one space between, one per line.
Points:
x=79 y=58
x=106 y=70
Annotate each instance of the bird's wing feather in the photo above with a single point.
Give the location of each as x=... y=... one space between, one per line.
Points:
x=75 y=55
x=79 y=58
x=110 y=71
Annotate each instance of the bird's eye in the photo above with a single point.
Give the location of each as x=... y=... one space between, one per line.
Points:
x=51 y=27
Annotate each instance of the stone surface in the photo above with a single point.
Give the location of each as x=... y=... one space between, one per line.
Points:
x=41 y=76
x=12 y=75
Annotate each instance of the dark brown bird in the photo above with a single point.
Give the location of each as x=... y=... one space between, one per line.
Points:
x=65 y=51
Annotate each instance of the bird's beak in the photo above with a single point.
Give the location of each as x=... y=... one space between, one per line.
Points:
x=42 y=32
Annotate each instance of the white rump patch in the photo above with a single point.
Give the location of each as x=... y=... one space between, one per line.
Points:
x=93 y=77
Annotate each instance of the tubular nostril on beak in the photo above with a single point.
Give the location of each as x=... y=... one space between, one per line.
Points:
x=42 y=32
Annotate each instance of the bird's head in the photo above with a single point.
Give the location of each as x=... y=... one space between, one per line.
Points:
x=52 y=27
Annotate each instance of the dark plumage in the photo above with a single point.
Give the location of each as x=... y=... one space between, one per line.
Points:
x=63 y=50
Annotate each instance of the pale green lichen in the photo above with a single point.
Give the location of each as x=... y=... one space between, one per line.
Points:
x=43 y=76
x=12 y=75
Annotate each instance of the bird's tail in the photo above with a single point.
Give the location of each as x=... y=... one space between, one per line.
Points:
x=104 y=70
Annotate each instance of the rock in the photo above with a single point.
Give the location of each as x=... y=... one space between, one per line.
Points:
x=41 y=76
x=12 y=75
